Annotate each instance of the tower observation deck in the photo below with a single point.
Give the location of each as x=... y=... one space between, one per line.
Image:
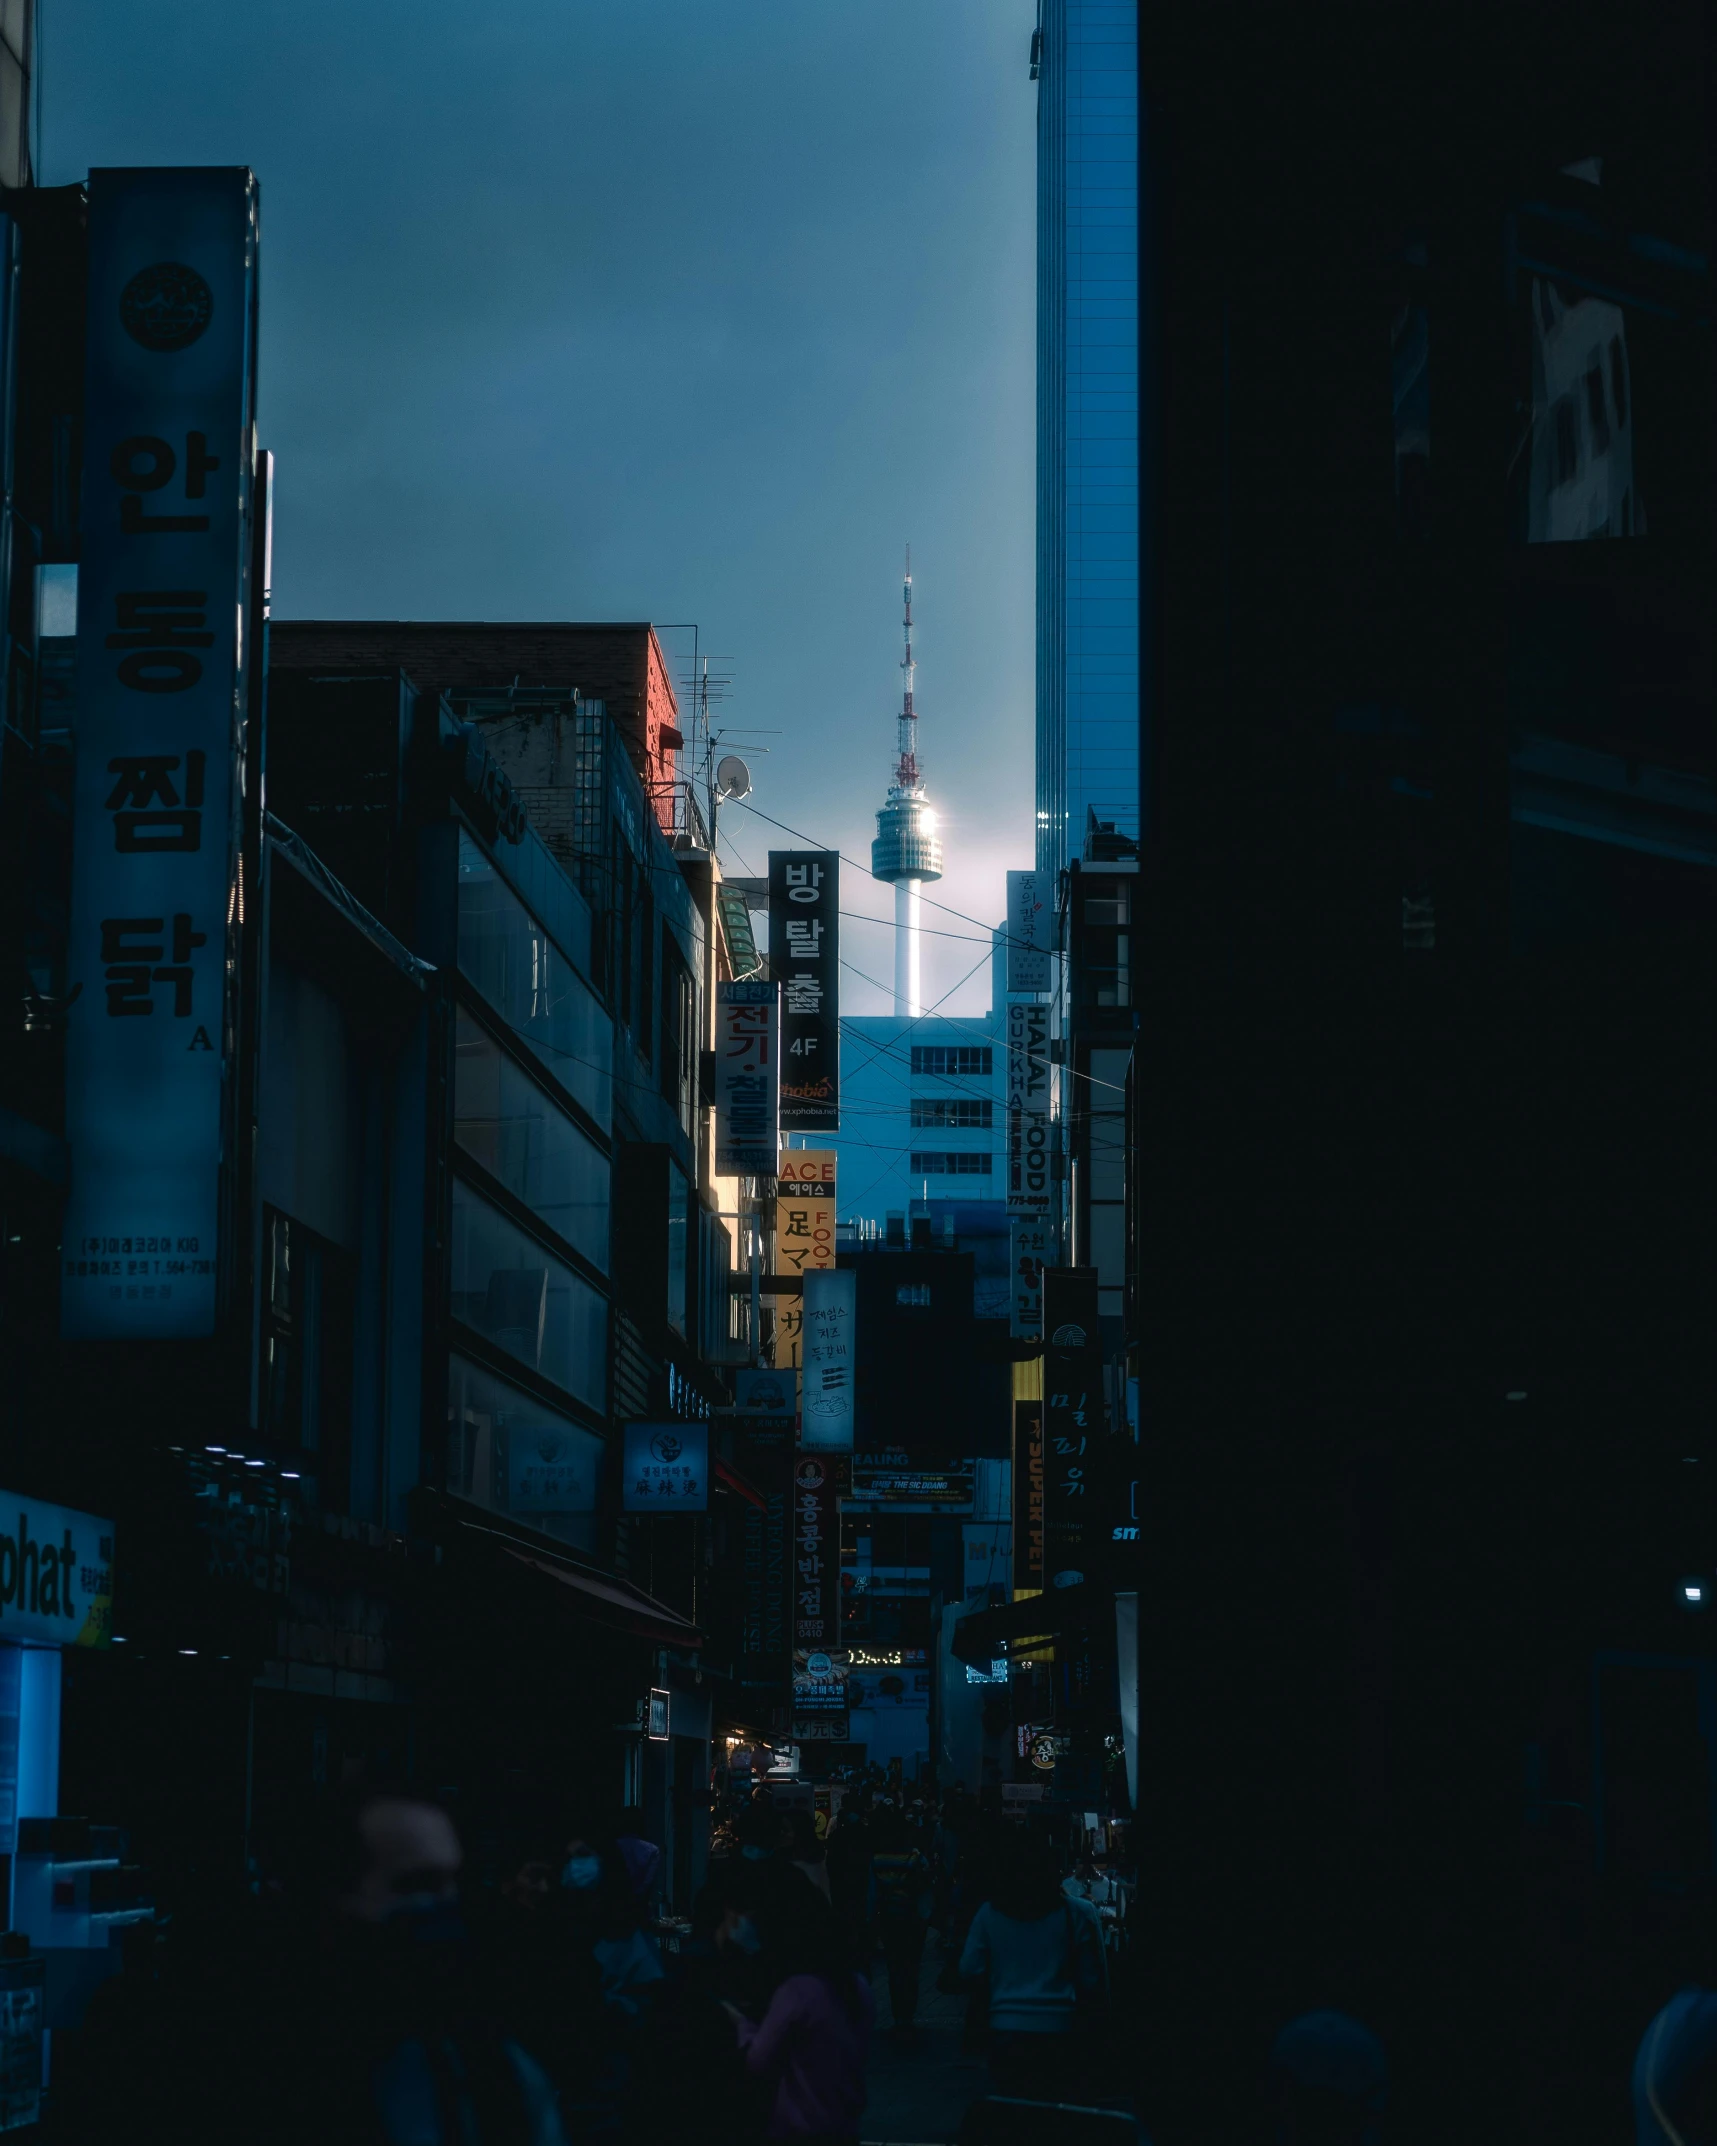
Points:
x=907 y=850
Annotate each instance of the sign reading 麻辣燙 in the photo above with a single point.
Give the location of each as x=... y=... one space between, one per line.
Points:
x=164 y=628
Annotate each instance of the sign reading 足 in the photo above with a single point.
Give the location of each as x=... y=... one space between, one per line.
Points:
x=827 y=1377
x=747 y=1105
x=804 y=958
x=164 y=628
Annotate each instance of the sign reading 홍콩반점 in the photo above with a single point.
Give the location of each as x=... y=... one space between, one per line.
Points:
x=164 y=631
x=667 y=1468
x=804 y=958
x=56 y=1574
x=816 y=1554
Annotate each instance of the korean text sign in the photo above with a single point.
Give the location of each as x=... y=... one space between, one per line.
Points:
x=56 y=1574
x=804 y=957
x=830 y=1362
x=816 y=1553
x=1074 y=1431
x=1028 y=1252
x=667 y=1468
x=747 y=1102
x=804 y=1234
x=1028 y=1497
x=164 y=624
x=1028 y=1108
x=1031 y=926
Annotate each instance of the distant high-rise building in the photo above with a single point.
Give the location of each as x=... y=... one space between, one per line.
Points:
x=1088 y=733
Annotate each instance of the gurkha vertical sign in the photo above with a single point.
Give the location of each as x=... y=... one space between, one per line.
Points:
x=164 y=628
x=804 y=959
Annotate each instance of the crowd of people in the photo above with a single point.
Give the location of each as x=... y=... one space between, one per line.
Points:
x=376 y=1992
x=374 y=1987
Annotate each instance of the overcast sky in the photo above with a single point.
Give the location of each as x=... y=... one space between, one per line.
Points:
x=674 y=309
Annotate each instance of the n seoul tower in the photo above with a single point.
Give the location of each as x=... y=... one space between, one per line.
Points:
x=907 y=849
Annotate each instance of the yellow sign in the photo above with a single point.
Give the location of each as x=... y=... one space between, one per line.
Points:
x=804 y=1235
x=789 y=1333
x=807 y=1167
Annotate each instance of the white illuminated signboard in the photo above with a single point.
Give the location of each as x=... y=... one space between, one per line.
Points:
x=831 y=1317
x=1031 y=930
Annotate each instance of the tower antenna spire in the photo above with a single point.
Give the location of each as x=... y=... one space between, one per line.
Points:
x=907 y=849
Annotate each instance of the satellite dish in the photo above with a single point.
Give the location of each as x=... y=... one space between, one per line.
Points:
x=732 y=778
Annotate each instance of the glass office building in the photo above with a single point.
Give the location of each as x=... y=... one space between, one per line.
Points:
x=1088 y=757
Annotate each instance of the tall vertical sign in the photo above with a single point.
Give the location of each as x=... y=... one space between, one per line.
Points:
x=1028 y=1254
x=831 y=1320
x=804 y=958
x=816 y=1553
x=1074 y=1434
x=805 y=1211
x=1031 y=927
x=1028 y=1095
x=164 y=627
x=1028 y=1577
x=747 y=1124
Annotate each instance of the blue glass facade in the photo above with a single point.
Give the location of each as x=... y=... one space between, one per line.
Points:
x=1088 y=751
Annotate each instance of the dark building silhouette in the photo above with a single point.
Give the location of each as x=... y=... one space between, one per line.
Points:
x=1424 y=923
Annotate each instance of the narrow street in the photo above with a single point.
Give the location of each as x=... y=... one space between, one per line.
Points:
x=920 y=2090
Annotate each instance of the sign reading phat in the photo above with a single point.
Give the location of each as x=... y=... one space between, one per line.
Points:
x=56 y=1574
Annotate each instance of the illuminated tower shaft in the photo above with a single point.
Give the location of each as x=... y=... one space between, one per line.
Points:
x=908 y=967
x=907 y=849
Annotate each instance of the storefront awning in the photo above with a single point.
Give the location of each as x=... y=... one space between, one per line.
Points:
x=1015 y=1627
x=615 y=1602
x=725 y=1473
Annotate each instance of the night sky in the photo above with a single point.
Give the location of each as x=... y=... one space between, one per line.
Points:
x=680 y=310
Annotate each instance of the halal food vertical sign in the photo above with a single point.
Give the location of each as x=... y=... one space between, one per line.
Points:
x=804 y=958
x=163 y=639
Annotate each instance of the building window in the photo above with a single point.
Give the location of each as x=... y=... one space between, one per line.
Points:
x=504 y=1121
x=507 y=957
x=309 y=1296
x=943 y=1059
x=952 y=1110
x=679 y=1228
x=936 y=1162
x=523 y=1300
x=514 y=1455
x=915 y=1295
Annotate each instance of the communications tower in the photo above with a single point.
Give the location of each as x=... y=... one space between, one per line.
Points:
x=907 y=849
